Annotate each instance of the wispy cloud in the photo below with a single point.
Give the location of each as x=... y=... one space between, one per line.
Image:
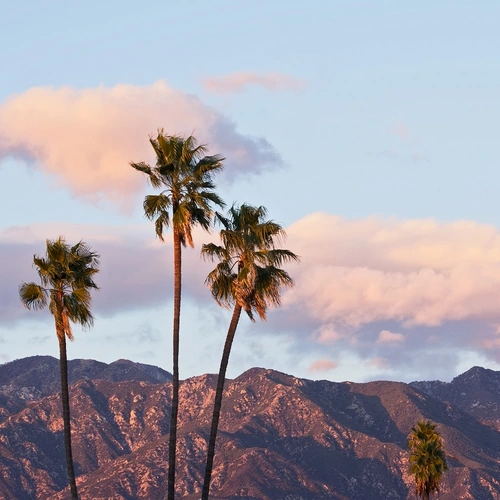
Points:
x=388 y=337
x=85 y=138
x=238 y=82
x=401 y=131
x=323 y=365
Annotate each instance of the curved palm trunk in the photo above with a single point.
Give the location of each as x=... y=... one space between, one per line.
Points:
x=63 y=365
x=218 y=400
x=172 y=444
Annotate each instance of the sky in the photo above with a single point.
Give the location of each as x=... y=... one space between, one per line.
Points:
x=368 y=129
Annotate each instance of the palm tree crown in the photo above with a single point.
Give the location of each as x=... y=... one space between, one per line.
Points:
x=427 y=458
x=185 y=173
x=66 y=276
x=248 y=272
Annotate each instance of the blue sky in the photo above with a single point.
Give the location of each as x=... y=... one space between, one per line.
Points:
x=368 y=129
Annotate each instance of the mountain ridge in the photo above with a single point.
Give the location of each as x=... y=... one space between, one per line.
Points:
x=281 y=437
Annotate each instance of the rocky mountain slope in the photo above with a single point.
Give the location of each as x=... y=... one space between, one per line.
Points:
x=280 y=437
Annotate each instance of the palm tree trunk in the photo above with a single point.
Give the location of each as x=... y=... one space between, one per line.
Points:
x=218 y=400
x=172 y=444
x=63 y=365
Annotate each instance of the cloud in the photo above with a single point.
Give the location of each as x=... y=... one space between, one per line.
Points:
x=327 y=333
x=421 y=272
x=401 y=131
x=39 y=340
x=388 y=337
x=144 y=334
x=85 y=138
x=238 y=82
x=384 y=289
x=361 y=280
x=135 y=268
x=322 y=365
x=378 y=362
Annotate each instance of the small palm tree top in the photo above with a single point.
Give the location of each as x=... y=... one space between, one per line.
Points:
x=248 y=272
x=185 y=173
x=427 y=458
x=67 y=276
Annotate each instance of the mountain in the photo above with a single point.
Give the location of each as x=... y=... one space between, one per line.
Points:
x=477 y=392
x=280 y=437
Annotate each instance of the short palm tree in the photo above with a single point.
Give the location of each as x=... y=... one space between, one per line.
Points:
x=185 y=174
x=67 y=277
x=247 y=277
x=427 y=458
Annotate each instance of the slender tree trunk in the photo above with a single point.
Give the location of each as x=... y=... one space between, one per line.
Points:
x=63 y=365
x=218 y=400
x=172 y=444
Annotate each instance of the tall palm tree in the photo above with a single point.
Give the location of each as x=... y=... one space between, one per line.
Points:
x=185 y=174
x=427 y=458
x=67 y=277
x=248 y=278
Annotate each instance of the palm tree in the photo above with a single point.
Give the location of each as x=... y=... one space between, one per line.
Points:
x=66 y=275
x=185 y=173
x=427 y=458
x=247 y=277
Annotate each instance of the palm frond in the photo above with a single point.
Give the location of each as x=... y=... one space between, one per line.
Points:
x=153 y=177
x=77 y=307
x=156 y=204
x=211 y=251
x=33 y=296
x=208 y=165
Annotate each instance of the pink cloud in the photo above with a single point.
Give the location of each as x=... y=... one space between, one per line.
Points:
x=401 y=130
x=359 y=282
x=388 y=337
x=237 y=82
x=86 y=138
x=415 y=272
x=323 y=365
x=378 y=362
x=124 y=284
x=326 y=334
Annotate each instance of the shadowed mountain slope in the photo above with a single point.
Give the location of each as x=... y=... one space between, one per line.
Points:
x=280 y=437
